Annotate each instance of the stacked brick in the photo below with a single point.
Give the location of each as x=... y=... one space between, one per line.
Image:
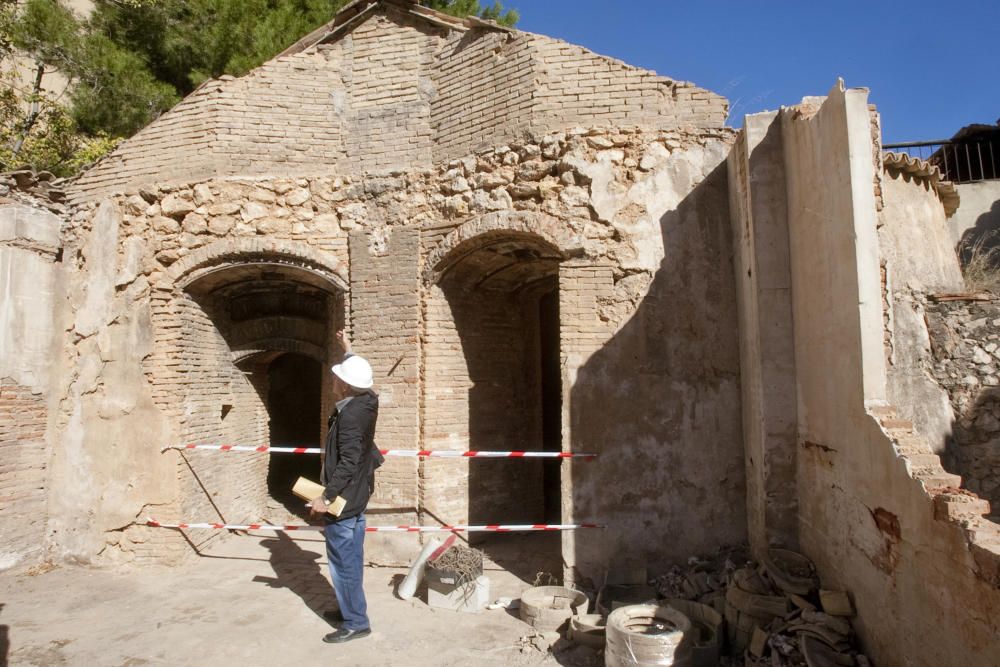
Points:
x=23 y=462
x=395 y=93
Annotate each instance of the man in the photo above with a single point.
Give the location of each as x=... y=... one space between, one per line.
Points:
x=349 y=472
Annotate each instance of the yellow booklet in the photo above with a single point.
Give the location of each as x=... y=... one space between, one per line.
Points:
x=309 y=490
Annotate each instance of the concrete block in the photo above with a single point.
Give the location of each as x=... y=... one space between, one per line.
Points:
x=443 y=593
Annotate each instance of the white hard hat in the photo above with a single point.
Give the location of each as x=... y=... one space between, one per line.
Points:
x=355 y=371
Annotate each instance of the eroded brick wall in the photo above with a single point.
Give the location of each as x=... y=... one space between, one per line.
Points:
x=219 y=405
x=482 y=390
x=395 y=93
x=23 y=463
x=485 y=91
x=577 y=86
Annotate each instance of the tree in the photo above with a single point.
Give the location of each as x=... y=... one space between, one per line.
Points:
x=494 y=12
x=47 y=32
x=131 y=60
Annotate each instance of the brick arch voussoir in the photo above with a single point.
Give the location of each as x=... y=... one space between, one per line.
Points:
x=250 y=349
x=239 y=251
x=551 y=230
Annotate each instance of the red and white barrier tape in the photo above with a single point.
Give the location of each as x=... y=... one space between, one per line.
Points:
x=530 y=527
x=420 y=453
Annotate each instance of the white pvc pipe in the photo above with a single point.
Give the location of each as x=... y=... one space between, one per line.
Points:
x=408 y=586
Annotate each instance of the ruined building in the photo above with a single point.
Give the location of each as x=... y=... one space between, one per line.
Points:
x=539 y=248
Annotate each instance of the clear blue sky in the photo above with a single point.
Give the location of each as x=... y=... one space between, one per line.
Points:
x=932 y=67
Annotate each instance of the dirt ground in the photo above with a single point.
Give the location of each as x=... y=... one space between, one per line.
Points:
x=252 y=600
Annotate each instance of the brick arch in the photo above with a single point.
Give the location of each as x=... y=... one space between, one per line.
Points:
x=244 y=251
x=250 y=349
x=470 y=235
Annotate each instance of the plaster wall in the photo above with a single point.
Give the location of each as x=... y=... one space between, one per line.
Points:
x=767 y=358
x=917 y=257
x=29 y=243
x=924 y=593
x=654 y=391
x=978 y=213
x=105 y=429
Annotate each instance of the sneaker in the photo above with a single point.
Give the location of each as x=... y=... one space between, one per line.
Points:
x=344 y=635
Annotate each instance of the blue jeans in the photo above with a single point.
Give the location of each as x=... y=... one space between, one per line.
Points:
x=345 y=552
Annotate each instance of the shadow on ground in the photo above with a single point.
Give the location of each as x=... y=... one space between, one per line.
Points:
x=4 y=642
x=300 y=572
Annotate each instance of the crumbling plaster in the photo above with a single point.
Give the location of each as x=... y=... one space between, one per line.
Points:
x=917 y=258
x=875 y=513
x=978 y=215
x=29 y=249
x=645 y=205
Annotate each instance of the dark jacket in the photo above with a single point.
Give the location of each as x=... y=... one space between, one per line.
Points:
x=351 y=456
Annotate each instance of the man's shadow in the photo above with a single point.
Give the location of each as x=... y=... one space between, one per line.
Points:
x=299 y=571
x=4 y=642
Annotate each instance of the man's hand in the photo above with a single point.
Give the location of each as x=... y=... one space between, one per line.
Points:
x=318 y=506
x=344 y=341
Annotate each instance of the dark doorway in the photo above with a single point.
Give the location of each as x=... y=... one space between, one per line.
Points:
x=548 y=329
x=293 y=400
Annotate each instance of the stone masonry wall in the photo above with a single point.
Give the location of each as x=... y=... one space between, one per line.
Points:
x=610 y=198
x=965 y=341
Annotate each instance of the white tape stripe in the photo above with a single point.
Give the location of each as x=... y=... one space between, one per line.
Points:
x=152 y=523
x=412 y=453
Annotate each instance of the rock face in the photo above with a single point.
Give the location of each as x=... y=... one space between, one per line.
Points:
x=965 y=340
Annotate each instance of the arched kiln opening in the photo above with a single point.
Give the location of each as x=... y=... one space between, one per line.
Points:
x=258 y=338
x=493 y=383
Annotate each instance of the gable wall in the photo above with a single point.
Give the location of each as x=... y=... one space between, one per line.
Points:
x=394 y=93
x=485 y=91
x=579 y=87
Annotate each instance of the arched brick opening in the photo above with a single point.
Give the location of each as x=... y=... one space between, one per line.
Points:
x=492 y=379
x=244 y=325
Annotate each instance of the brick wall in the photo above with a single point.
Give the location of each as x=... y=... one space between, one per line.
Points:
x=396 y=92
x=385 y=324
x=577 y=86
x=484 y=91
x=23 y=459
x=179 y=144
x=482 y=392
x=220 y=405
x=387 y=108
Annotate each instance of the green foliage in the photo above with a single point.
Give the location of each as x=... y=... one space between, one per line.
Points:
x=184 y=42
x=114 y=92
x=47 y=31
x=494 y=12
x=133 y=59
x=55 y=144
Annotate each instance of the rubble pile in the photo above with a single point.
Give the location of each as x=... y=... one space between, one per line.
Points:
x=38 y=188
x=748 y=614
